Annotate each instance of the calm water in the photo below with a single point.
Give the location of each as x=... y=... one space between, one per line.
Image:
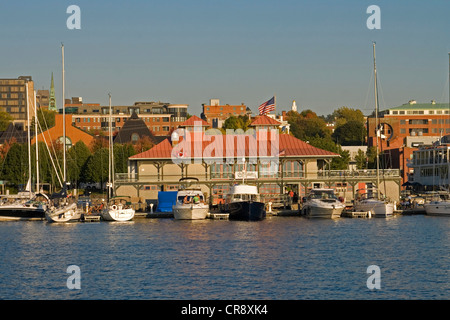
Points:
x=288 y=258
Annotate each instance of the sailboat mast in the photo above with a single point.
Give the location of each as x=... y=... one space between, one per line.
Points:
x=110 y=162
x=64 y=116
x=376 y=115
x=36 y=144
x=29 y=140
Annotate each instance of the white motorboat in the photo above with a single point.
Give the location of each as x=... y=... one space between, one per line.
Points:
x=322 y=203
x=190 y=205
x=377 y=206
x=437 y=208
x=63 y=213
x=22 y=210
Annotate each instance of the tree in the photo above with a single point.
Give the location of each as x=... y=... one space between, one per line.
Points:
x=345 y=114
x=5 y=120
x=76 y=159
x=239 y=122
x=15 y=165
x=351 y=133
x=97 y=167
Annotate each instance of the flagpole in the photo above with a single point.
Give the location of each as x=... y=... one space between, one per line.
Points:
x=275 y=102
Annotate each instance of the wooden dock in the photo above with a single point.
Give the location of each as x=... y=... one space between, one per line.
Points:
x=91 y=218
x=218 y=216
x=357 y=214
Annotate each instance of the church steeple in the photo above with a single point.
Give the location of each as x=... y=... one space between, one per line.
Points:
x=52 y=99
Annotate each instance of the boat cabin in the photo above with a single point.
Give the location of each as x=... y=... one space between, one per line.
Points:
x=243 y=193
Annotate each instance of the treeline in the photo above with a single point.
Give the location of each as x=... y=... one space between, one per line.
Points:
x=83 y=163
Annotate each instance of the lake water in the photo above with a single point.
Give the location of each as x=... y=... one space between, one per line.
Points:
x=280 y=258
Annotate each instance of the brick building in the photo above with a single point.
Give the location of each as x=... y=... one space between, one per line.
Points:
x=215 y=113
x=405 y=128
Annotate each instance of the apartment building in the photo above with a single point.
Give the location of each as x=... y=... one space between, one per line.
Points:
x=17 y=98
x=161 y=118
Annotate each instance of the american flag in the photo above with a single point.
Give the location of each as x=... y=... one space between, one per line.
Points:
x=267 y=106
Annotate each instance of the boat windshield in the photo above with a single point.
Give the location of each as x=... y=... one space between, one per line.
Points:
x=190 y=199
x=245 y=197
x=323 y=194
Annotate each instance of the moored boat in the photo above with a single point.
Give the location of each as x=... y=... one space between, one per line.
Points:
x=322 y=203
x=190 y=205
x=243 y=203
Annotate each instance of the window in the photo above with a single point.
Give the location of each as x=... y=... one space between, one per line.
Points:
x=134 y=138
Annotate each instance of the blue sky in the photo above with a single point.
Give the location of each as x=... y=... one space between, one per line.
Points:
x=318 y=53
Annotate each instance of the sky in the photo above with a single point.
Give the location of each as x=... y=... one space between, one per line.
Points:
x=318 y=53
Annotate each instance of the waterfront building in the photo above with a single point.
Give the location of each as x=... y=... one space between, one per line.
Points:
x=274 y=162
x=14 y=99
x=405 y=128
x=430 y=166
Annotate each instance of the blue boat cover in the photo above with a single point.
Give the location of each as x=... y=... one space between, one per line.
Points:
x=166 y=199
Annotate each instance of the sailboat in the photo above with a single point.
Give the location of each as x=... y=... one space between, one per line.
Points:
x=371 y=200
x=440 y=207
x=118 y=208
x=24 y=205
x=62 y=210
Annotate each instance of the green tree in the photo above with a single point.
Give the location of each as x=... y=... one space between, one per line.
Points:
x=97 y=167
x=76 y=159
x=351 y=133
x=15 y=165
x=345 y=114
x=5 y=120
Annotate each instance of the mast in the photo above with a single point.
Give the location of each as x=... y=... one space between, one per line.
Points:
x=29 y=141
x=64 y=117
x=110 y=153
x=37 y=147
x=376 y=116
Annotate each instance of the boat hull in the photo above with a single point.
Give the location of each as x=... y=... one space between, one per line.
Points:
x=21 y=212
x=379 y=209
x=246 y=210
x=327 y=212
x=64 y=214
x=110 y=214
x=437 y=208
x=190 y=212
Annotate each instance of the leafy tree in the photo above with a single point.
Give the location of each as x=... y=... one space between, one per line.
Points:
x=15 y=165
x=345 y=114
x=97 y=167
x=76 y=159
x=5 y=120
x=351 y=133
x=239 y=122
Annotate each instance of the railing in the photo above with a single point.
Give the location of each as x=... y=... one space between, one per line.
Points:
x=288 y=176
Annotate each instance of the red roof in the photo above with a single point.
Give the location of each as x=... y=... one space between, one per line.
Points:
x=237 y=145
x=194 y=121
x=265 y=121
